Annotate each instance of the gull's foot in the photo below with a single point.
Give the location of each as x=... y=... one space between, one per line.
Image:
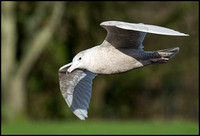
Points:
x=159 y=60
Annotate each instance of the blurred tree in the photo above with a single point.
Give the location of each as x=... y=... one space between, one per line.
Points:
x=14 y=73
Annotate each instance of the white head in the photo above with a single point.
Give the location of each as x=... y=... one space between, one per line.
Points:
x=79 y=61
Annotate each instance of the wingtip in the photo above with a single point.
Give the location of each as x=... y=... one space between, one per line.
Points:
x=81 y=114
x=186 y=35
x=183 y=34
x=81 y=118
x=175 y=34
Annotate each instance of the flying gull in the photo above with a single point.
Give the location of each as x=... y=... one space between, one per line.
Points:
x=121 y=51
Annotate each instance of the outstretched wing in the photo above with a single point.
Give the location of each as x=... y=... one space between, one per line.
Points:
x=131 y=35
x=76 y=88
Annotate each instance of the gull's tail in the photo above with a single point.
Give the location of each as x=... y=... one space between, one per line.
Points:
x=168 y=53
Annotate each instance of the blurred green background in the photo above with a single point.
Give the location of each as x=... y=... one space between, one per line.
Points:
x=40 y=37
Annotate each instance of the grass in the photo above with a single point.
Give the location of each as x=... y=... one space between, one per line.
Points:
x=101 y=127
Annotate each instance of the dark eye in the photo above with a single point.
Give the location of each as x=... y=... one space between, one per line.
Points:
x=79 y=58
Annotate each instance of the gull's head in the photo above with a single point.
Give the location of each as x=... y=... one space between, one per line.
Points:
x=79 y=61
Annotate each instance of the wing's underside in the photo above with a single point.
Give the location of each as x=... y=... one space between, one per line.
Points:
x=76 y=88
x=122 y=34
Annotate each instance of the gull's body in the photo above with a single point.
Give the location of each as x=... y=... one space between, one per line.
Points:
x=121 y=51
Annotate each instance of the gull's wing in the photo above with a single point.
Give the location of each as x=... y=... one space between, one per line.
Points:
x=76 y=88
x=122 y=34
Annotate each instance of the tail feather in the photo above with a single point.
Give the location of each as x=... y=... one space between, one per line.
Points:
x=168 y=53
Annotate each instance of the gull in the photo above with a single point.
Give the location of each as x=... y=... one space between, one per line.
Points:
x=120 y=52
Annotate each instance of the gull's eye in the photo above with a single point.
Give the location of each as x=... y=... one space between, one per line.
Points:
x=79 y=58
